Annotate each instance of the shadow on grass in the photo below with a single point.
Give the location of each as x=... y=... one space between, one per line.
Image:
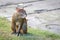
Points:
x=28 y=34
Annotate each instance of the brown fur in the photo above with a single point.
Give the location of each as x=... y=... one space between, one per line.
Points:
x=17 y=20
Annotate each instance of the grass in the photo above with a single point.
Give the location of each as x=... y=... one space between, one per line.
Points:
x=33 y=34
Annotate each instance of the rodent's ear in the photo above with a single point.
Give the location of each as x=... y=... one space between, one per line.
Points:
x=16 y=7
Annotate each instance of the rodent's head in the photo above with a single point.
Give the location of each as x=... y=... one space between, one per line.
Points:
x=19 y=8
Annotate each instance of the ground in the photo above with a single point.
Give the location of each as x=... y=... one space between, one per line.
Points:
x=39 y=14
x=33 y=34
